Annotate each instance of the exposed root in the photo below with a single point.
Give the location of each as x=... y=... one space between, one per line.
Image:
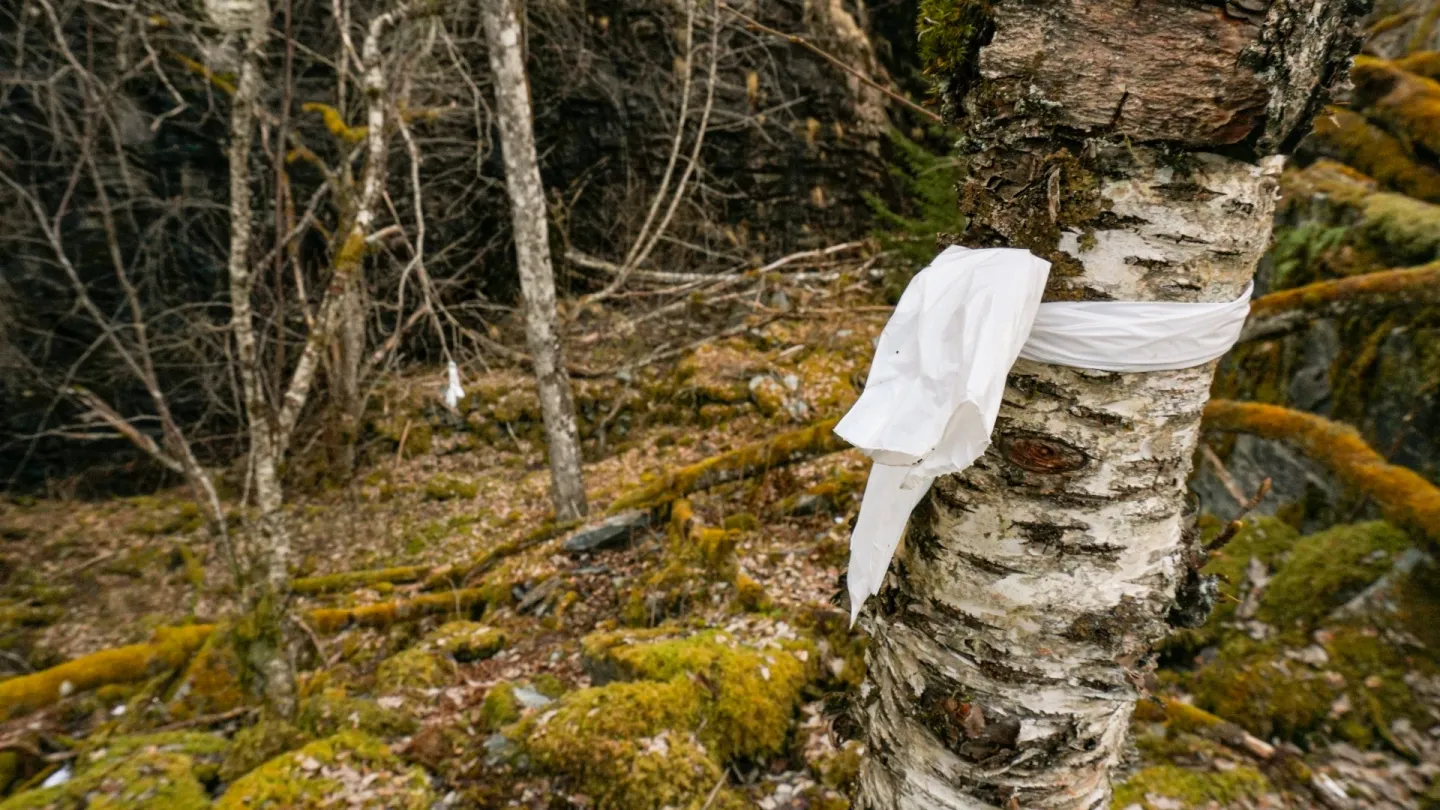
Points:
x=1404 y=497
x=753 y=459
x=1285 y=311
x=384 y=614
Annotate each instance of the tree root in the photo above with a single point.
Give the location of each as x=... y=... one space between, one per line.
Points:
x=818 y=439
x=173 y=646
x=1404 y=497
x=1282 y=312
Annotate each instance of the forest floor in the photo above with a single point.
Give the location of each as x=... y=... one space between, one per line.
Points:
x=693 y=657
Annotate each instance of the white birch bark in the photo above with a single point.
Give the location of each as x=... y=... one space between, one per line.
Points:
x=532 y=252
x=1013 y=634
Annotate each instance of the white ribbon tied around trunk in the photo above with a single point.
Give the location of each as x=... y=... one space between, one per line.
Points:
x=938 y=376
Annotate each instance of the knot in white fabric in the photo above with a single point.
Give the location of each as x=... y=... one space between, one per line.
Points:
x=938 y=376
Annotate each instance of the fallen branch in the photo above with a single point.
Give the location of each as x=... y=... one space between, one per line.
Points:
x=1283 y=312
x=818 y=439
x=1185 y=717
x=1404 y=497
x=173 y=646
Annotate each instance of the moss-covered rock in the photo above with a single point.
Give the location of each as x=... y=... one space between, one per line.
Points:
x=465 y=641
x=500 y=706
x=254 y=745
x=135 y=773
x=414 y=668
x=349 y=769
x=753 y=692
x=1192 y=789
x=331 y=710
x=1326 y=569
x=620 y=744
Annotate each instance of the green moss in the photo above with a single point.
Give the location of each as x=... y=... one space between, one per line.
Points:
x=1190 y=788
x=135 y=773
x=755 y=691
x=465 y=641
x=840 y=769
x=312 y=777
x=185 y=517
x=949 y=34
x=212 y=681
x=254 y=745
x=621 y=744
x=449 y=487
x=1269 y=693
x=928 y=182
x=500 y=707
x=331 y=711
x=1327 y=569
x=412 y=669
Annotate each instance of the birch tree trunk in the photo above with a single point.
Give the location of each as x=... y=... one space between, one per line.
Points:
x=532 y=252
x=264 y=647
x=1131 y=145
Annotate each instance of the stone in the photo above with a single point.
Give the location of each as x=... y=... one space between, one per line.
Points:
x=616 y=531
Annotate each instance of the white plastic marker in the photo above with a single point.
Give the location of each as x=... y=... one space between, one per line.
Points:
x=938 y=377
x=453 y=392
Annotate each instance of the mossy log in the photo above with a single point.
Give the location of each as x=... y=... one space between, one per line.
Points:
x=173 y=647
x=1402 y=229
x=1404 y=497
x=1346 y=136
x=170 y=649
x=753 y=459
x=350 y=580
x=1283 y=312
x=1403 y=102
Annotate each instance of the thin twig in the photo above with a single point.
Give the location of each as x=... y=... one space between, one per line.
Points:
x=815 y=49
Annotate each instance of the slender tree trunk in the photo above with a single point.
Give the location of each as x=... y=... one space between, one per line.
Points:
x=1011 y=639
x=532 y=251
x=267 y=590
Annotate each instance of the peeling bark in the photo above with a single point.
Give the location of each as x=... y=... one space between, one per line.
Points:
x=1012 y=637
x=532 y=249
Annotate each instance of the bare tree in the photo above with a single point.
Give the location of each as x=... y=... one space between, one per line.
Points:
x=532 y=251
x=1013 y=636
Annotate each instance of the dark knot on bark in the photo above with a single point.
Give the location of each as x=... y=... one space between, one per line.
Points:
x=1042 y=454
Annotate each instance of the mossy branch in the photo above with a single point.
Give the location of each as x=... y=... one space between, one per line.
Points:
x=173 y=646
x=1346 y=136
x=335 y=122
x=1283 y=312
x=753 y=459
x=1404 y=497
x=222 y=83
x=1403 y=102
x=350 y=580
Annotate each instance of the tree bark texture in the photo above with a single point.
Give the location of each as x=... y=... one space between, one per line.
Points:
x=532 y=250
x=1131 y=145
